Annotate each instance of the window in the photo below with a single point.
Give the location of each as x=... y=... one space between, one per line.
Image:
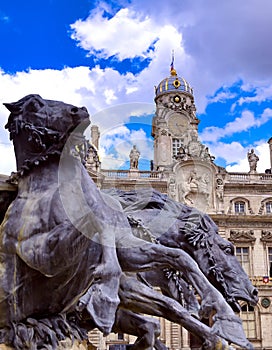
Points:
x=249 y=321
x=242 y=254
x=270 y=261
x=268 y=206
x=176 y=144
x=239 y=207
x=120 y=336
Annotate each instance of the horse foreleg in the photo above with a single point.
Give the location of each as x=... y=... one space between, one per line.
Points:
x=144 y=255
x=173 y=286
x=137 y=297
x=146 y=329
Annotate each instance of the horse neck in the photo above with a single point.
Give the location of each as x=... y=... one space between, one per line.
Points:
x=50 y=174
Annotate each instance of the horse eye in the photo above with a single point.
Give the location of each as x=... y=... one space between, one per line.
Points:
x=228 y=251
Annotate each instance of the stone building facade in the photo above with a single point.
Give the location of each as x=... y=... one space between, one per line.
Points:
x=183 y=168
x=239 y=203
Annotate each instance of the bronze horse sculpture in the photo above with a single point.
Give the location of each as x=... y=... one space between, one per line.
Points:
x=51 y=265
x=193 y=231
x=157 y=217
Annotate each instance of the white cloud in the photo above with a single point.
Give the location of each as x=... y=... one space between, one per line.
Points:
x=209 y=53
x=8 y=163
x=262 y=93
x=120 y=36
x=80 y=86
x=222 y=96
x=257 y=94
x=245 y=122
x=262 y=151
x=231 y=152
x=116 y=143
x=129 y=34
x=204 y=34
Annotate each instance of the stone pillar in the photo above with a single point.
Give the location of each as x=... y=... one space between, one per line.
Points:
x=185 y=339
x=175 y=336
x=95 y=135
x=270 y=149
x=163 y=150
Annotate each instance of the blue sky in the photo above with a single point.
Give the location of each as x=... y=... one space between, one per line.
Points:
x=109 y=55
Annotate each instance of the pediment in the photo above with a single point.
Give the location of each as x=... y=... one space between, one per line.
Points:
x=266 y=236
x=238 y=236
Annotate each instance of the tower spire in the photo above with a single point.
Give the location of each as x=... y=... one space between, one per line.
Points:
x=172 y=69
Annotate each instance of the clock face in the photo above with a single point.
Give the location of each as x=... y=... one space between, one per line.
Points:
x=178 y=124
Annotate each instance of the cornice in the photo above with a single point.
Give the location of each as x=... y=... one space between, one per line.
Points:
x=6 y=186
x=242 y=187
x=256 y=221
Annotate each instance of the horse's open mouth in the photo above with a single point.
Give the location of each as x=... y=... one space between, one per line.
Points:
x=234 y=305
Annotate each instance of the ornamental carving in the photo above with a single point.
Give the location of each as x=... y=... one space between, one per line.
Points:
x=261 y=208
x=266 y=236
x=263 y=203
x=164 y=132
x=238 y=236
x=220 y=189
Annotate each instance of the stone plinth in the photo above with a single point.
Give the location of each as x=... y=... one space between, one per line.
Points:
x=64 y=345
x=134 y=173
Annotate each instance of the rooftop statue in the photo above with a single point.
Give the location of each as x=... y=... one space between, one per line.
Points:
x=74 y=258
x=134 y=156
x=252 y=160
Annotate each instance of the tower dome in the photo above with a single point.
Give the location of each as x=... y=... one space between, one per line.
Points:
x=173 y=83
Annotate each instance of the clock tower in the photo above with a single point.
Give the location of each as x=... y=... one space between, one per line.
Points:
x=175 y=123
x=178 y=152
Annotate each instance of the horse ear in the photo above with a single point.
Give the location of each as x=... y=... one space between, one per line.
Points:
x=12 y=107
x=16 y=107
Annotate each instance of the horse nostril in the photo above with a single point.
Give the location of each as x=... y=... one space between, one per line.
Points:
x=74 y=110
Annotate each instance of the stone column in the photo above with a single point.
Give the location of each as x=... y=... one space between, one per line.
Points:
x=270 y=149
x=185 y=339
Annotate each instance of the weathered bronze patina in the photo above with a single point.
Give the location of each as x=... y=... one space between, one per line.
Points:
x=74 y=258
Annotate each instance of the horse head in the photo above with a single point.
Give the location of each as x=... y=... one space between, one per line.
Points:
x=197 y=234
x=39 y=128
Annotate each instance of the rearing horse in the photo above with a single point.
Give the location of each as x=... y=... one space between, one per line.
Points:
x=49 y=261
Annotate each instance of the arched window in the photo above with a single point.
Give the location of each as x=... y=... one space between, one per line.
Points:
x=268 y=207
x=239 y=207
x=249 y=321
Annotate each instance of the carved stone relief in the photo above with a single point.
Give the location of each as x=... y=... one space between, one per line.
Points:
x=263 y=202
x=172 y=188
x=266 y=236
x=219 y=192
x=238 y=236
x=92 y=159
x=195 y=187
